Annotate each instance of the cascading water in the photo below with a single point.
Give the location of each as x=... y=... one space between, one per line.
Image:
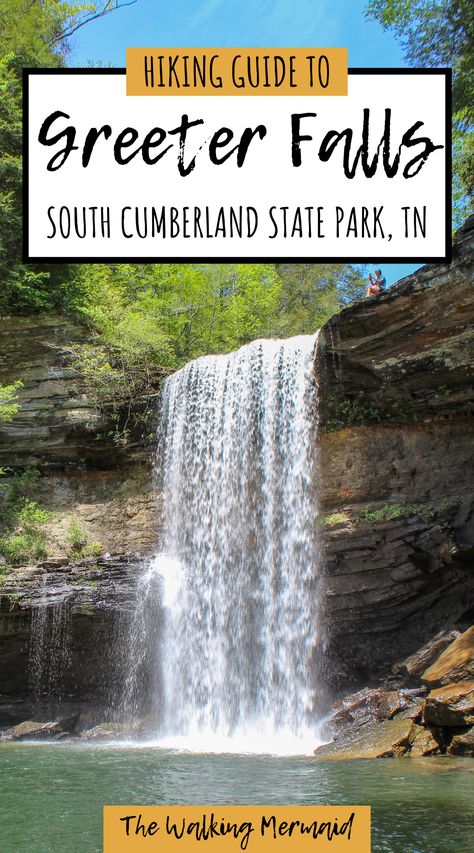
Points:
x=227 y=611
x=49 y=653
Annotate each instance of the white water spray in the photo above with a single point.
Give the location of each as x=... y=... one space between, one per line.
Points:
x=236 y=581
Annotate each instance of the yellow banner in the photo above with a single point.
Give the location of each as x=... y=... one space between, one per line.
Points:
x=231 y=829
x=237 y=71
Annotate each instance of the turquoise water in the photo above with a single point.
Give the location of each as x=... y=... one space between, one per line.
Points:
x=51 y=795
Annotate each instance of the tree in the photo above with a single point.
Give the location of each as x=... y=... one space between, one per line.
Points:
x=147 y=320
x=21 y=286
x=38 y=31
x=435 y=33
x=311 y=293
x=167 y=314
x=441 y=33
x=32 y=33
x=69 y=19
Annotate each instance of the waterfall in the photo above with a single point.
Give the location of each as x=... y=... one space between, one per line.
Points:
x=49 y=651
x=225 y=631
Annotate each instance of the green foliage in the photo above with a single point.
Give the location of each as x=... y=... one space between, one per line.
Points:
x=312 y=293
x=148 y=320
x=428 y=511
x=22 y=288
x=77 y=536
x=26 y=30
x=22 y=535
x=165 y=314
x=38 y=31
x=355 y=411
x=9 y=404
x=335 y=519
x=389 y=512
x=363 y=408
x=441 y=33
x=435 y=33
x=94 y=549
x=78 y=541
x=463 y=173
x=32 y=33
x=24 y=547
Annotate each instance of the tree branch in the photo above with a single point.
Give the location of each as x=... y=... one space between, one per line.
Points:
x=67 y=33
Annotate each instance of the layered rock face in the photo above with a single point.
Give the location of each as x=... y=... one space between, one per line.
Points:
x=396 y=492
x=60 y=629
x=62 y=613
x=396 y=448
x=86 y=473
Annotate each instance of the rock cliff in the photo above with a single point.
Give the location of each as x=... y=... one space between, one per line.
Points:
x=396 y=449
x=86 y=474
x=396 y=445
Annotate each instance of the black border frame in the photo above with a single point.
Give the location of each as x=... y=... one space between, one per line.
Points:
x=446 y=258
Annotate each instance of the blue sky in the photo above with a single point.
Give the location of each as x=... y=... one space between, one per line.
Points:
x=241 y=23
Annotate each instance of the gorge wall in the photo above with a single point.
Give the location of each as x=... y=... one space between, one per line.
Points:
x=396 y=449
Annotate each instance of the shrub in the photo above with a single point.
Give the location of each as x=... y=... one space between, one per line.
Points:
x=77 y=537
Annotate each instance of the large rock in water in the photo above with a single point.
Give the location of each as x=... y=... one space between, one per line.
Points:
x=384 y=739
x=424 y=742
x=452 y=705
x=34 y=730
x=368 y=706
x=463 y=744
x=456 y=663
x=105 y=731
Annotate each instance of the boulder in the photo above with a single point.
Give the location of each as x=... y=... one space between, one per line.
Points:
x=33 y=730
x=452 y=705
x=424 y=741
x=413 y=667
x=41 y=729
x=463 y=743
x=413 y=712
x=383 y=739
x=369 y=705
x=105 y=731
x=455 y=664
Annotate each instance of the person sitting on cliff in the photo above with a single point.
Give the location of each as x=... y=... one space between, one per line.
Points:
x=376 y=284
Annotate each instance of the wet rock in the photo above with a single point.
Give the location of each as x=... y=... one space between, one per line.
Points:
x=413 y=667
x=369 y=705
x=105 y=731
x=456 y=663
x=91 y=598
x=57 y=424
x=424 y=741
x=396 y=450
x=384 y=739
x=452 y=705
x=463 y=744
x=37 y=730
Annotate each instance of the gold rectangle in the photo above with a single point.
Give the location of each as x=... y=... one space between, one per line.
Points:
x=237 y=71
x=231 y=829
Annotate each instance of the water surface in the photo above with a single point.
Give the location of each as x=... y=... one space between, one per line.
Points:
x=51 y=796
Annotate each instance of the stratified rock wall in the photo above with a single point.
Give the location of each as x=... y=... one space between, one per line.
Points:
x=397 y=449
x=87 y=474
x=59 y=633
